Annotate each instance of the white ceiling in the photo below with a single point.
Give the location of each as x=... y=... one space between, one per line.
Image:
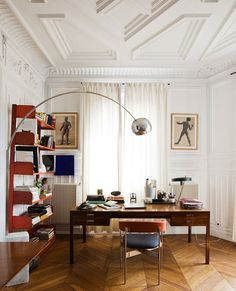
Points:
x=188 y=35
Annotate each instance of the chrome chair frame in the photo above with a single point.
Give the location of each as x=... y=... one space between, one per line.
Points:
x=129 y=228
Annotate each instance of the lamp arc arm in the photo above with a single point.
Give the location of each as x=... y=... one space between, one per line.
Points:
x=62 y=94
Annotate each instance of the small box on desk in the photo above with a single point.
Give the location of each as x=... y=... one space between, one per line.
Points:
x=162 y=201
x=95 y=199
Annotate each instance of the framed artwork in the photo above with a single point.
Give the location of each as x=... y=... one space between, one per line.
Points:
x=184 y=131
x=66 y=133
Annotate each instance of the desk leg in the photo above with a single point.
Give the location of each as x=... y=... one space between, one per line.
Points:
x=71 y=243
x=189 y=233
x=207 y=249
x=84 y=233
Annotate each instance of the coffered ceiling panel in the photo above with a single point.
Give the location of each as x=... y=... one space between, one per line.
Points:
x=183 y=34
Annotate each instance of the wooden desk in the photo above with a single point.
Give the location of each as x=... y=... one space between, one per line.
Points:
x=176 y=216
x=15 y=256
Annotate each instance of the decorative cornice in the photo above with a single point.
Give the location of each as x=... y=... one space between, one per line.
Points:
x=217 y=67
x=121 y=72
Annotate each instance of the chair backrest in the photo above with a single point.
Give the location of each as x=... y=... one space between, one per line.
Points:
x=143 y=226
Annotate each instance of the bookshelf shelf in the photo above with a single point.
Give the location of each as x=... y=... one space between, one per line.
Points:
x=25 y=160
x=25 y=222
x=25 y=197
x=44 y=125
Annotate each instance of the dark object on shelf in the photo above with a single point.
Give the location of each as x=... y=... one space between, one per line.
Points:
x=182 y=180
x=65 y=165
x=48 y=161
x=115 y=193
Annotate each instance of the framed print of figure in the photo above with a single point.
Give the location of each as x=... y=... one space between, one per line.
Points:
x=66 y=133
x=184 y=131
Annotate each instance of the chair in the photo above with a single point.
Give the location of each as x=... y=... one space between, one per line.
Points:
x=143 y=236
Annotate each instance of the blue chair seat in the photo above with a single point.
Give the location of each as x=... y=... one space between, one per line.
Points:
x=143 y=241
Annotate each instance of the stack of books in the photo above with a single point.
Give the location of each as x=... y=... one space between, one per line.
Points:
x=45 y=233
x=110 y=205
x=191 y=203
x=118 y=199
x=39 y=212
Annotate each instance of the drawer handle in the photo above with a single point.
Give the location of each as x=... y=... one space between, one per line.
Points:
x=90 y=221
x=190 y=215
x=90 y=215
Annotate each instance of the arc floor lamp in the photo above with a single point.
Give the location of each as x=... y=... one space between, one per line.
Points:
x=140 y=126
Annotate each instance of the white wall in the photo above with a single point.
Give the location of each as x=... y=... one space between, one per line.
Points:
x=221 y=155
x=20 y=83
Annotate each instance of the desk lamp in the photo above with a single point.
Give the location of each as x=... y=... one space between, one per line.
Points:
x=182 y=181
x=140 y=126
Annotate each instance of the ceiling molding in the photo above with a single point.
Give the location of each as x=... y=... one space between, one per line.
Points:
x=92 y=55
x=225 y=39
x=13 y=29
x=52 y=24
x=224 y=21
x=105 y=6
x=158 y=7
x=192 y=32
x=210 y=1
x=121 y=72
x=194 y=28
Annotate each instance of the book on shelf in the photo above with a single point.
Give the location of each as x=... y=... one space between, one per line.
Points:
x=34 y=239
x=47 y=141
x=35 y=220
x=47 y=118
x=45 y=233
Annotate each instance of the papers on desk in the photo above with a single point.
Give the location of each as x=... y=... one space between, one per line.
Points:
x=110 y=205
x=191 y=203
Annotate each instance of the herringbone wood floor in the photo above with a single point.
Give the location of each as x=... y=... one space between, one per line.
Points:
x=96 y=267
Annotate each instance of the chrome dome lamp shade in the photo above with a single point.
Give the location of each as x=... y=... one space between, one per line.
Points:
x=141 y=126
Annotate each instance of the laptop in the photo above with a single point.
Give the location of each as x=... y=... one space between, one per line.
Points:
x=134 y=205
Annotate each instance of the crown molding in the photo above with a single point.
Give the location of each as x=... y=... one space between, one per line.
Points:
x=113 y=72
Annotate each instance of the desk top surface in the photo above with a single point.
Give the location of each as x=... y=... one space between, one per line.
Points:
x=149 y=208
x=15 y=256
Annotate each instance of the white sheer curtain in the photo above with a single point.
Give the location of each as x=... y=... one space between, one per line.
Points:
x=113 y=157
x=101 y=125
x=144 y=156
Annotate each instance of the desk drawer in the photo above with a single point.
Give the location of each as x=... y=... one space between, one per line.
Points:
x=97 y=219
x=89 y=218
x=190 y=219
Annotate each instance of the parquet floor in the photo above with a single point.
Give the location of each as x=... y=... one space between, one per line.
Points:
x=97 y=267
